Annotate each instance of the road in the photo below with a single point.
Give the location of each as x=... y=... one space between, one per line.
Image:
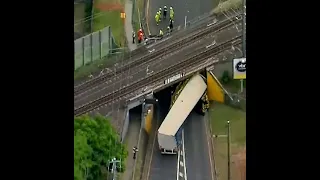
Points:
x=195 y=158
x=182 y=8
x=162 y=166
x=135 y=74
x=198 y=159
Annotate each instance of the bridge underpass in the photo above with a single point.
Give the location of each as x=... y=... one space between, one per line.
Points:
x=197 y=158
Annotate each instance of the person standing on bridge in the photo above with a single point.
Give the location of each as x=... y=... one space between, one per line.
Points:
x=140 y=36
x=165 y=12
x=171 y=25
x=168 y=30
x=157 y=18
x=160 y=33
x=171 y=13
x=133 y=37
x=160 y=12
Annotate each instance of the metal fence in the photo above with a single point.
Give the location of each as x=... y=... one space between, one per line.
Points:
x=94 y=46
x=236 y=101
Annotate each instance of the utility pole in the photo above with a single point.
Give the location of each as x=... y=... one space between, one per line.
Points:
x=228 y=148
x=114 y=161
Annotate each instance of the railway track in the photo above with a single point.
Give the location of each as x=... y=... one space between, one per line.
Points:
x=193 y=60
x=175 y=45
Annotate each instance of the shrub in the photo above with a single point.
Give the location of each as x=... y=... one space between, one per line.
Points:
x=225 y=79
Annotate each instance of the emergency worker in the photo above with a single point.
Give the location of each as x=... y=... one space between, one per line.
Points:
x=165 y=10
x=171 y=25
x=133 y=37
x=140 y=36
x=157 y=18
x=160 y=33
x=171 y=13
x=160 y=12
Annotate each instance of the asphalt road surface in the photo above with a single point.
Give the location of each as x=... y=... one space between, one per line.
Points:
x=182 y=8
x=196 y=148
x=162 y=166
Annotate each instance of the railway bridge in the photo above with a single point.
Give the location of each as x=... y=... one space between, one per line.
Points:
x=154 y=67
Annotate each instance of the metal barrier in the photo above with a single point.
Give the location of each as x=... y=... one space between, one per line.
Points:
x=94 y=46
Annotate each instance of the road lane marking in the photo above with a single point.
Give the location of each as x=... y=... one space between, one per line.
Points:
x=178 y=167
x=184 y=156
x=209 y=151
x=154 y=140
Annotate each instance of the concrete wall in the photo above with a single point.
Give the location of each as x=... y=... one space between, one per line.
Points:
x=125 y=125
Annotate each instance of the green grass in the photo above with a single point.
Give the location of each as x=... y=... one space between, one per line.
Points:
x=92 y=67
x=233 y=86
x=108 y=18
x=139 y=5
x=219 y=115
x=224 y=6
x=112 y=19
x=79 y=14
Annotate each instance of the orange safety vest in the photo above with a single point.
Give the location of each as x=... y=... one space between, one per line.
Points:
x=140 y=36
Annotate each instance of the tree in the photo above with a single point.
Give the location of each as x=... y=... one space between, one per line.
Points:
x=104 y=142
x=82 y=156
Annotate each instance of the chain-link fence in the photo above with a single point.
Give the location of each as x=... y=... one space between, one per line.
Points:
x=237 y=101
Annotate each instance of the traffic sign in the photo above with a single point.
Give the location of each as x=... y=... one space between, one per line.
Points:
x=123 y=15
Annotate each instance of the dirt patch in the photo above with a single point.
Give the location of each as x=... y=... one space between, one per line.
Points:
x=110 y=7
x=239 y=161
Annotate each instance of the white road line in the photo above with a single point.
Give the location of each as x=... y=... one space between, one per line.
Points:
x=178 y=167
x=181 y=163
x=184 y=156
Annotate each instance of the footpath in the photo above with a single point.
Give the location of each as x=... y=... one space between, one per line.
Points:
x=131 y=140
x=128 y=24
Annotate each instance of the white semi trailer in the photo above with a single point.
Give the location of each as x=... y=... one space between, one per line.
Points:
x=167 y=133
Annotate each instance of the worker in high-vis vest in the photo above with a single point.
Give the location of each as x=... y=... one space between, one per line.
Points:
x=171 y=13
x=140 y=36
x=160 y=33
x=157 y=18
x=160 y=13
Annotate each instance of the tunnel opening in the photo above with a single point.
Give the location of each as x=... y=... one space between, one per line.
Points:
x=164 y=98
x=135 y=119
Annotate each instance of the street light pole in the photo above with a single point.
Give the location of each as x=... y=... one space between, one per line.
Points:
x=114 y=168
x=228 y=148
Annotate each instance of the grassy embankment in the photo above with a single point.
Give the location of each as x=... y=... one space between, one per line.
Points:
x=219 y=115
x=137 y=15
x=101 y=20
x=225 y=5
